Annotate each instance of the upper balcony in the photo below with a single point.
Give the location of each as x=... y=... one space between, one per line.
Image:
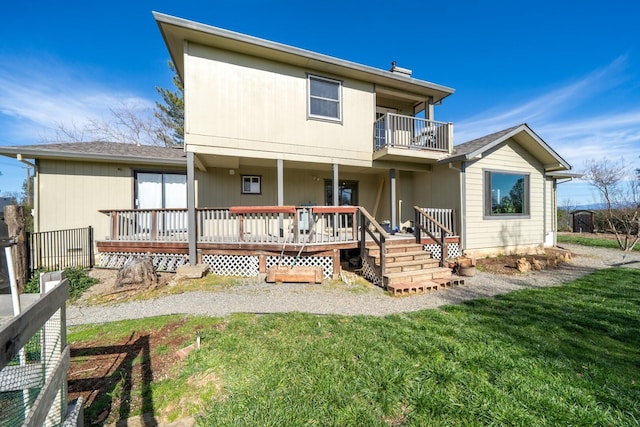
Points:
x=406 y=138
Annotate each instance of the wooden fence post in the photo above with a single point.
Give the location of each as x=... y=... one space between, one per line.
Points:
x=14 y=217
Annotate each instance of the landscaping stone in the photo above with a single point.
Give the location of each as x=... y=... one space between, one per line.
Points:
x=523 y=265
x=192 y=271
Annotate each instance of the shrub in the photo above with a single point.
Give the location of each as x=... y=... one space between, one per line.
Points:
x=79 y=282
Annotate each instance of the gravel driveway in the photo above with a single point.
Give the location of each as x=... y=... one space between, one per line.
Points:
x=269 y=298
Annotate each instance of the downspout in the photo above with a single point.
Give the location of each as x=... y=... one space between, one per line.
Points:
x=461 y=217
x=555 y=212
x=463 y=206
x=544 y=208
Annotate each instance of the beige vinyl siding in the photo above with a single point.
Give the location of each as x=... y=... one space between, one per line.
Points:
x=245 y=106
x=503 y=234
x=70 y=194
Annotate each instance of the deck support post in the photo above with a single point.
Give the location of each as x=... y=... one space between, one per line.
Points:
x=336 y=190
x=191 y=209
x=280 y=178
x=392 y=195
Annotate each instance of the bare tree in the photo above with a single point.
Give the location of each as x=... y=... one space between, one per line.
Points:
x=130 y=123
x=619 y=188
x=564 y=214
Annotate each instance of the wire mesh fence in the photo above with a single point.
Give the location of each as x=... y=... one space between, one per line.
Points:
x=34 y=358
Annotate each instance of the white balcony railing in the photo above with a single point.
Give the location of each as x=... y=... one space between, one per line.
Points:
x=395 y=130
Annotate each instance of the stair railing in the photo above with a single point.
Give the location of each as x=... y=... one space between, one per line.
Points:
x=368 y=225
x=423 y=222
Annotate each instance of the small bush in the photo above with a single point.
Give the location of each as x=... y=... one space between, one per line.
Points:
x=79 y=282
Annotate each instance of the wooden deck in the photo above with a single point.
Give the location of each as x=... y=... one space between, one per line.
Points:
x=256 y=236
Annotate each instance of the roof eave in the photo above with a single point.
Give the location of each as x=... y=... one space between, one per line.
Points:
x=68 y=155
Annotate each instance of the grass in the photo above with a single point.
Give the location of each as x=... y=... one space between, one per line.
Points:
x=591 y=241
x=567 y=355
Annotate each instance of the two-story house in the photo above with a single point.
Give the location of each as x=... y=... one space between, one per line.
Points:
x=291 y=154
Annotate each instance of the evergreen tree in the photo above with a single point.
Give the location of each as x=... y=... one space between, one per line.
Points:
x=170 y=112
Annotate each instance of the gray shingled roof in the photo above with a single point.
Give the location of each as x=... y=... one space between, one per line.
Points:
x=479 y=143
x=99 y=150
x=533 y=143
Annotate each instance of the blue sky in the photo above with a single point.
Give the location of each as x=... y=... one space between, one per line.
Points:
x=570 y=69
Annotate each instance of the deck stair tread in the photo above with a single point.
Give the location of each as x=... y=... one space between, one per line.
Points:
x=393 y=241
x=412 y=247
x=408 y=268
x=419 y=264
x=416 y=276
x=405 y=256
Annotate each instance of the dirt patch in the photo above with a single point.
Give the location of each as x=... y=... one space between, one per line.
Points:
x=106 y=291
x=114 y=377
x=506 y=264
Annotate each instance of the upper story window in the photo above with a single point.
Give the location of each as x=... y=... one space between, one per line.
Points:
x=325 y=98
x=506 y=194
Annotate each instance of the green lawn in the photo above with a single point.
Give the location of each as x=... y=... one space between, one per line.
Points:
x=567 y=355
x=591 y=241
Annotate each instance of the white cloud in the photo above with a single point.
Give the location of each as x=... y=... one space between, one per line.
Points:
x=559 y=118
x=546 y=108
x=36 y=97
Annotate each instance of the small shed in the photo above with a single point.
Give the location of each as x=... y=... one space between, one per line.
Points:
x=583 y=221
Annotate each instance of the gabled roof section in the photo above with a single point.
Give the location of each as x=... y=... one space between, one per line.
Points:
x=177 y=31
x=100 y=151
x=523 y=135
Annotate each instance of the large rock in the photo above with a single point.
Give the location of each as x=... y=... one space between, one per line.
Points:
x=137 y=272
x=523 y=265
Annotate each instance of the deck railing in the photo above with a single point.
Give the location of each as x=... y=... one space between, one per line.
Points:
x=424 y=222
x=239 y=224
x=148 y=225
x=444 y=217
x=377 y=234
x=395 y=130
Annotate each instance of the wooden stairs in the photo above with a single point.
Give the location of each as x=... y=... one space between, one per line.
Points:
x=408 y=268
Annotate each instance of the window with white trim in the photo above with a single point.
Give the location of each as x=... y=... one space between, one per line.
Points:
x=325 y=98
x=251 y=184
x=506 y=194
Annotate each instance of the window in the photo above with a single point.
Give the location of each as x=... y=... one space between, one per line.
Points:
x=325 y=98
x=251 y=184
x=506 y=194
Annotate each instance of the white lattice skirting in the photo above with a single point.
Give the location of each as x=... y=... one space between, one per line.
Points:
x=369 y=272
x=161 y=262
x=220 y=265
x=233 y=265
x=326 y=262
x=436 y=253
